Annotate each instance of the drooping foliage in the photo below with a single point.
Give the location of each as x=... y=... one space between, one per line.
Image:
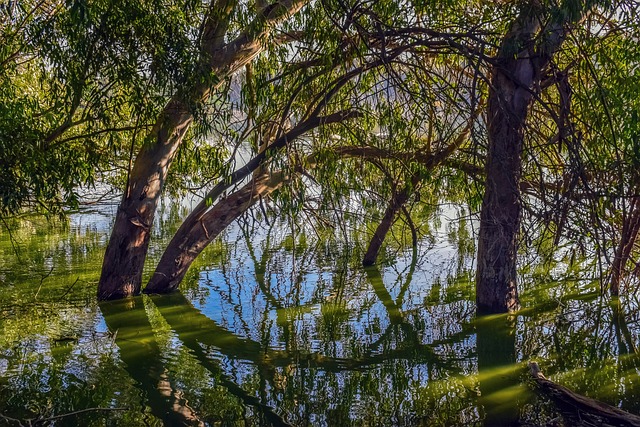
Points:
x=85 y=87
x=80 y=83
x=581 y=151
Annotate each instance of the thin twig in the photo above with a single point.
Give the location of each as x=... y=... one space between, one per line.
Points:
x=15 y=420
x=42 y=279
x=81 y=411
x=69 y=288
x=14 y=242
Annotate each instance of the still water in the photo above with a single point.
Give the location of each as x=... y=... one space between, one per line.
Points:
x=273 y=327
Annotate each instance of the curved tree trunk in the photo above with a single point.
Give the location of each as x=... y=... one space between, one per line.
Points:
x=197 y=231
x=399 y=199
x=127 y=248
x=126 y=252
x=204 y=223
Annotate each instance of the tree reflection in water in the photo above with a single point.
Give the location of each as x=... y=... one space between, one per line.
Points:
x=138 y=349
x=282 y=330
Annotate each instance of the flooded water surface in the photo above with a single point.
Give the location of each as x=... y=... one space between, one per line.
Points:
x=278 y=328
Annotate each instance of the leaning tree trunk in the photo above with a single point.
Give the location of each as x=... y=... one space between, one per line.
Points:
x=197 y=231
x=397 y=202
x=127 y=249
x=399 y=199
x=204 y=223
x=584 y=410
x=513 y=79
x=126 y=252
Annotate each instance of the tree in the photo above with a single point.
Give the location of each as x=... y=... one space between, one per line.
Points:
x=609 y=95
x=75 y=82
x=116 y=78
x=36 y=169
x=324 y=83
x=220 y=55
x=526 y=50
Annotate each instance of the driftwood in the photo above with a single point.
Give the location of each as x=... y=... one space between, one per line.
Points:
x=589 y=411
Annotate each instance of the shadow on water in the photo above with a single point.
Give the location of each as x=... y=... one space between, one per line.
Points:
x=144 y=362
x=401 y=338
x=268 y=334
x=208 y=342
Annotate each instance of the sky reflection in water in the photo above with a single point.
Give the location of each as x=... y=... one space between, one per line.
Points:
x=267 y=332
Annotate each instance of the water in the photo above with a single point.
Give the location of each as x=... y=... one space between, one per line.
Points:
x=275 y=329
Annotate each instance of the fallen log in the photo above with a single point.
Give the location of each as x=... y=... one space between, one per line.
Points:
x=589 y=411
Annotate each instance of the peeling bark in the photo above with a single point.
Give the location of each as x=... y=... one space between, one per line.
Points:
x=126 y=252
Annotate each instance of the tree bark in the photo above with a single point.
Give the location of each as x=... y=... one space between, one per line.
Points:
x=126 y=252
x=175 y=260
x=196 y=233
x=629 y=235
x=501 y=207
x=127 y=248
x=398 y=200
x=513 y=79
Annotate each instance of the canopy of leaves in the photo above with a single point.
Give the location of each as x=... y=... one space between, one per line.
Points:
x=82 y=81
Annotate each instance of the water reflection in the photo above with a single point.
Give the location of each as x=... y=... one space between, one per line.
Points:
x=501 y=391
x=202 y=336
x=138 y=349
x=273 y=328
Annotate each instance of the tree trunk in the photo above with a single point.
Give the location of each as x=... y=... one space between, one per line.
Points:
x=198 y=230
x=513 y=79
x=174 y=263
x=398 y=200
x=501 y=207
x=127 y=248
x=629 y=235
x=126 y=252
x=587 y=411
